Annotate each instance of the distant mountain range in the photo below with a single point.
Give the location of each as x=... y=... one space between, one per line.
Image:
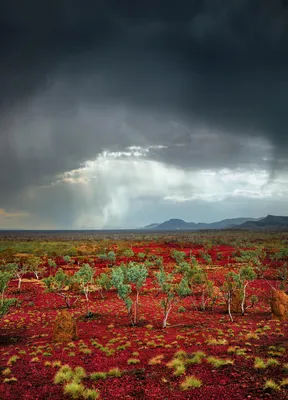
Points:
x=270 y=222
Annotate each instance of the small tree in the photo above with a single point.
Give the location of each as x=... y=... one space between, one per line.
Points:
x=197 y=277
x=260 y=267
x=34 y=265
x=281 y=255
x=178 y=256
x=254 y=258
x=5 y=303
x=104 y=281
x=5 y=278
x=205 y=256
x=85 y=278
x=61 y=284
x=137 y=275
x=125 y=279
x=246 y=275
x=193 y=260
x=123 y=289
x=52 y=264
x=111 y=257
x=171 y=291
x=103 y=256
x=207 y=290
x=128 y=253
x=238 y=282
x=18 y=270
x=69 y=260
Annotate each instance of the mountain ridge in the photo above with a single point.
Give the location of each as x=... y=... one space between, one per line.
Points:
x=180 y=224
x=270 y=222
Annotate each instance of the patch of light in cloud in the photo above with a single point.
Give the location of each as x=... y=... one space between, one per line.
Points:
x=107 y=186
x=132 y=151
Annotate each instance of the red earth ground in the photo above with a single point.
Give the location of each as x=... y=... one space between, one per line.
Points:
x=27 y=333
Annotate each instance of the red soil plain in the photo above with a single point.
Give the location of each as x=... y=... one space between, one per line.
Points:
x=29 y=359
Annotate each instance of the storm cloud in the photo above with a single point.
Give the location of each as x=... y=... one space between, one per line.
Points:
x=163 y=95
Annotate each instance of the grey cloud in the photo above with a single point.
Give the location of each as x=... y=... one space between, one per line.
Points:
x=107 y=80
x=242 y=25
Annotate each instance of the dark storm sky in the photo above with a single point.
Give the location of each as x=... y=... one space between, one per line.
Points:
x=118 y=114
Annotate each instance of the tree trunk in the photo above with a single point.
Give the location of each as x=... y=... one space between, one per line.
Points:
x=202 y=301
x=67 y=301
x=136 y=308
x=130 y=314
x=87 y=301
x=243 y=299
x=229 y=306
x=194 y=303
x=167 y=310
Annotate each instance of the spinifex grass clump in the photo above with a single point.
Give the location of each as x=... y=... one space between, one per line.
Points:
x=74 y=389
x=181 y=360
x=112 y=373
x=259 y=363
x=271 y=362
x=98 y=375
x=72 y=381
x=6 y=371
x=237 y=350
x=190 y=382
x=65 y=374
x=132 y=361
x=91 y=394
x=156 y=360
x=216 y=342
x=218 y=362
x=115 y=372
x=56 y=363
x=10 y=380
x=196 y=358
x=276 y=351
x=178 y=365
x=284 y=383
x=271 y=385
x=12 y=360
x=285 y=368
